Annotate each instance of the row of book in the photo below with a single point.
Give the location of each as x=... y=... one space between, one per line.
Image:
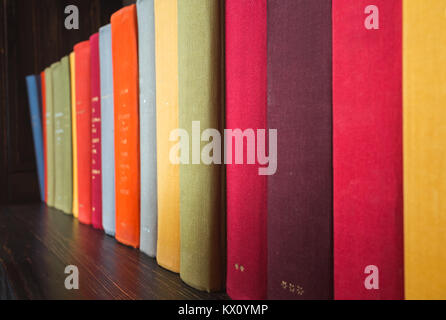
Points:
x=334 y=78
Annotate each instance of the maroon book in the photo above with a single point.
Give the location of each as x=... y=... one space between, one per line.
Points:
x=96 y=178
x=300 y=246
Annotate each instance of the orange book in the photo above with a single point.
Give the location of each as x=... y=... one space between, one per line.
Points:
x=126 y=104
x=83 y=127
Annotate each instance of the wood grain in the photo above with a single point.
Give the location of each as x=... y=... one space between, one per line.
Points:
x=37 y=243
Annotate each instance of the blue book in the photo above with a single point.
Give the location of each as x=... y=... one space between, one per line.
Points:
x=35 y=110
x=107 y=131
x=147 y=107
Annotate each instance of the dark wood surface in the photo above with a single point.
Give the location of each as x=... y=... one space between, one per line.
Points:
x=37 y=243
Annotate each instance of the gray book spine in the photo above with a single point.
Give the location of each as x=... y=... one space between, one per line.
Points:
x=107 y=131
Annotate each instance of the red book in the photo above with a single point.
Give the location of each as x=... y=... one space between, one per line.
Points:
x=43 y=88
x=83 y=112
x=96 y=167
x=246 y=189
x=367 y=146
x=126 y=104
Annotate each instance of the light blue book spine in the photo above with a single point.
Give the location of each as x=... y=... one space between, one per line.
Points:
x=34 y=99
x=107 y=131
x=147 y=89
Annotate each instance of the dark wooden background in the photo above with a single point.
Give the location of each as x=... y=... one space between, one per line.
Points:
x=32 y=37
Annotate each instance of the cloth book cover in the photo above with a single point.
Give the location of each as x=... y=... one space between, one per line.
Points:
x=43 y=117
x=83 y=127
x=166 y=54
x=246 y=110
x=367 y=149
x=49 y=136
x=300 y=206
x=126 y=104
x=147 y=120
x=74 y=133
x=96 y=162
x=107 y=131
x=34 y=101
x=63 y=149
x=201 y=99
x=424 y=96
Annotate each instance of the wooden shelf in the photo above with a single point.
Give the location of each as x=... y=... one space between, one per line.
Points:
x=37 y=243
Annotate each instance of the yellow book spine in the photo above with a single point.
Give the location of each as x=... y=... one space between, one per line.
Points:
x=424 y=78
x=74 y=131
x=166 y=48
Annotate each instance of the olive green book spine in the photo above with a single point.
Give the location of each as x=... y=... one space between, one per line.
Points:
x=50 y=135
x=201 y=96
x=62 y=136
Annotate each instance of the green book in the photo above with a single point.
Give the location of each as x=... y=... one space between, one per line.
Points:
x=49 y=136
x=62 y=136
x=201 y=98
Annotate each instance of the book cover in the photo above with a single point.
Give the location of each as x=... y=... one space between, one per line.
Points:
x=107 y=131
x=367 y=150
x=126 y=104
x=83 y=127
x=300 y=206
x=424 y=96
x=74 y=133
x=62 y=136
x=49 y=135
x=34 y=101
x=246 y=110
x=166 y=55
x=96 y=162
x=43 y=116
x=147 y=119
x=201 y=99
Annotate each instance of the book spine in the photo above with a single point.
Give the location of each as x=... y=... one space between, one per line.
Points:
x=62 y=136
x=67 y=146
x=246 y=110
x=107 y=131
x=200 y=53
x=367 y=150
x=147 y=102
x=32 y=83
x=74 y=134
x=49 y=135
x=166 y=48
x=58 y=136
x=83 y=126
x=300 y=206
x=424 y=96
x=96 y=161
x=44 y=135
x=126 y=104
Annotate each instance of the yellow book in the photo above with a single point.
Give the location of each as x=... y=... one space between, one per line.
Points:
x=424 y=78
x=73 y=118
x=166 y=48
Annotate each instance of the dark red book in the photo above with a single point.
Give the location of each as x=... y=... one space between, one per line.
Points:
x=300 y=206
x=367 y=146
x=96 y=159
x=83 y=112
x=246 y=109
x=43 y=89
